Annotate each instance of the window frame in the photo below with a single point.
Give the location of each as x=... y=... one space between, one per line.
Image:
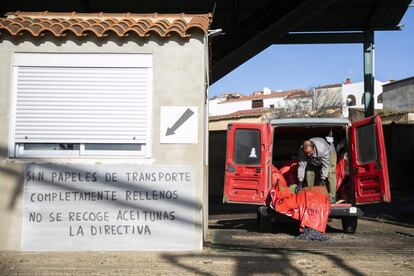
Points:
x=258 y=152
x=380 y=98
x=359 y=144
x=70 y=59
x=20 y=152
x=258 y=102
x=352 y=101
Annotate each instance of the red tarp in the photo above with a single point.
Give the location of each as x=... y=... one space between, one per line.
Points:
x=310 y=206
x=289 y=170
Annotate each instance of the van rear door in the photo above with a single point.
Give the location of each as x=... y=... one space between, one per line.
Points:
x=369 y=161
x=248 y=163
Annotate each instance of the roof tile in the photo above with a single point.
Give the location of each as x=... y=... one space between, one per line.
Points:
x=256 y=112
x=101 y=24
x=266 y=96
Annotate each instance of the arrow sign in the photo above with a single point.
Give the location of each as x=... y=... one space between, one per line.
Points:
x=186 y=115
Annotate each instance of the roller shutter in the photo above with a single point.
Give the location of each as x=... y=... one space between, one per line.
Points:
x=81 y=104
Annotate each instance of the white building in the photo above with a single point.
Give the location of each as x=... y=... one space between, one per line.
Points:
x=89 y=101
x=353 y=93
x=262 y=99
x=327 y=96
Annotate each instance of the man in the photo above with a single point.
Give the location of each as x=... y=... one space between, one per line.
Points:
x=317 y=161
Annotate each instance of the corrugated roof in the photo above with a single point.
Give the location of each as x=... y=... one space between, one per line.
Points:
x=266 y=96
x=103 y=24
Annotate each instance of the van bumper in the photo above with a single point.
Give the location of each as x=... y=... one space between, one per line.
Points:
x=344 y=210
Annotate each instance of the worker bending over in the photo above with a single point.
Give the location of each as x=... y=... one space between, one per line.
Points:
x=317 y=161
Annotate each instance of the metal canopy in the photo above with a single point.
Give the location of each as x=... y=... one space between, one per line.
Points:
x=251 y=26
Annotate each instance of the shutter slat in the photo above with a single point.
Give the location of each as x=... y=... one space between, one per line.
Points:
x=81 y=105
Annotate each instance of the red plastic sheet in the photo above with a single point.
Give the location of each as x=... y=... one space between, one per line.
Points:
x=283 y=200
x=290 y=171
x=340 y=171
x=310 y=206
x=314 y=208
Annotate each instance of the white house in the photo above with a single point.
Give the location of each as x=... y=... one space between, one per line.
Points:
x=262 y=99
x=352 y=96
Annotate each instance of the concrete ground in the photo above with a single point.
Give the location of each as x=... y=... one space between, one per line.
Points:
x=235 y=248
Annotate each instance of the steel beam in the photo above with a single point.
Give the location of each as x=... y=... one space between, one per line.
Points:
x=306 y=11
x=369 y=76
x=321 y=38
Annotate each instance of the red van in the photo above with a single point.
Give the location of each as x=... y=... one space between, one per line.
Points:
x=362 y=170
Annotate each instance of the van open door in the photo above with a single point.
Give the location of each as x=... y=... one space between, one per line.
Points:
x=248 y=163
x=369 y=161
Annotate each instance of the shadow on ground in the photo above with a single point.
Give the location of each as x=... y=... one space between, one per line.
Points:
x=259 y=260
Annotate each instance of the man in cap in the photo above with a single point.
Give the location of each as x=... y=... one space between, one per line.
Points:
x=317 y=163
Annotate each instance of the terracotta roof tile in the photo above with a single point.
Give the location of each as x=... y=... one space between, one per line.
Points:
x=256 y=112
x=329 y=86
x=103 y=24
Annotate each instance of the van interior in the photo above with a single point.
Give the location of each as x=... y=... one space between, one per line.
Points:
x=287 y=141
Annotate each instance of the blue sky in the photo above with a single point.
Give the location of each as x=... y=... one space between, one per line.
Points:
x=303 y=66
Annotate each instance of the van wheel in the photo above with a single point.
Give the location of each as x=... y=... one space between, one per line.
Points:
x=264 y=224
x=349 y=224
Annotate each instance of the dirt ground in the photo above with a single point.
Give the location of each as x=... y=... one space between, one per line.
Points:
x=235 y=248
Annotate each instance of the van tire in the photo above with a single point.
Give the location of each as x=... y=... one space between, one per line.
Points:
x=264 y=223
x=349 y=224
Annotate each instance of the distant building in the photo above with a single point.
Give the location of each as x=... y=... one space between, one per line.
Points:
x=266 y=98
x=257 y=115
x=398 y=96
x=299 y=102
x=327 y=96
x=353 y=95
x=214 y=108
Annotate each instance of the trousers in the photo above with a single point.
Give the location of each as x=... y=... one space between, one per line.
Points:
x=313 y=175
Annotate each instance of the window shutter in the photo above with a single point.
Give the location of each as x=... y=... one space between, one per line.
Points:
x=82 y=104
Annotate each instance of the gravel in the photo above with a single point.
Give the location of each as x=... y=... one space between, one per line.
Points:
x=310 y=234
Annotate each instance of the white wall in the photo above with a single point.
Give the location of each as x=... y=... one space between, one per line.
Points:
x=327 y=97
x=277 y=102
x=213 y=107
x=222 y=108
x=357 y=89
x=178 y=79
x=219 y=106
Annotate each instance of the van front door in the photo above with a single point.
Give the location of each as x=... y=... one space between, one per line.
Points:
x=248 y=163
x=369 y=161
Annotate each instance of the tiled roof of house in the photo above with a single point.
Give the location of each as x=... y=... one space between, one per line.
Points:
x=103 y=24
x=265 y=96
x=333 y=85
x=298 y=94
x=256 y=112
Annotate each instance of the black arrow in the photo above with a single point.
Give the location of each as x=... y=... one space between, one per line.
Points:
x=186 y=115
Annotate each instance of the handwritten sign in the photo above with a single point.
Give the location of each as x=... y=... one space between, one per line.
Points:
x=109 y=207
